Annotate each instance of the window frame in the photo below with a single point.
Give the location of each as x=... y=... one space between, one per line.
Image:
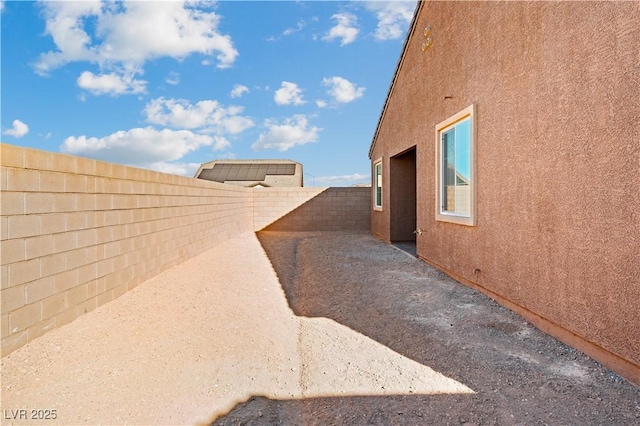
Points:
x=378 y=181
x=442 y=215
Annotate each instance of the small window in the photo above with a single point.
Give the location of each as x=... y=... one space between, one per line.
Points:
x=377 y=185
x=455 y=156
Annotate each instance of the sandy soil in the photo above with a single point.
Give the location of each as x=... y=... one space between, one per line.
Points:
x=519 y=375
x=196 y=341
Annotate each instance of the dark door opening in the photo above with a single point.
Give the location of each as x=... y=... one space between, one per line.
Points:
x=402 y=176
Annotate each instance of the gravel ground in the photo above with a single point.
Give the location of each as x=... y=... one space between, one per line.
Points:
x=196 y=341
x=519 y=375
x=307 y=329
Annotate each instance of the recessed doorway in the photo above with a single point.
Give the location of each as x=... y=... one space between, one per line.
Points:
x=403 y=197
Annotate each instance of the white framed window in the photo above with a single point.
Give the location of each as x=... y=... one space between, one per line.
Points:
x=377 y=185
x=455 y=168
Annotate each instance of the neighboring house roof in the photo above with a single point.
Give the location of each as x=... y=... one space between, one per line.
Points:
x=412 y=27
x=252 y=173
x=244 y=172
x=462 y=179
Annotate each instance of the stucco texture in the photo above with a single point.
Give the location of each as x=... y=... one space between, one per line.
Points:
x=557 y=92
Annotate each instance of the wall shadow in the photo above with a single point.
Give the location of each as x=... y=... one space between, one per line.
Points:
x=520 y=375
x=374 y=289
x=334 y=209
x=359 y=410
x=408 y=247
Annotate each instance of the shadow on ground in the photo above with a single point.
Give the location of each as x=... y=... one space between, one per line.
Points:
x=520 y=375
x=354 y=410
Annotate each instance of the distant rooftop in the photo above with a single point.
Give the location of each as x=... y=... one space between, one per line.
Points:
x=253 y=173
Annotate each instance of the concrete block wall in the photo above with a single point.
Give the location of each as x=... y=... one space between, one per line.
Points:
x=76 y=233
x=271 y=204
x=330 y=209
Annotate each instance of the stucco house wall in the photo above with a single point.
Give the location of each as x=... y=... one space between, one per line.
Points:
x=556 y=86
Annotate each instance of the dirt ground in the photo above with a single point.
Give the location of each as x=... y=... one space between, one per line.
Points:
x=519 y=375
x=307 y=329
x=192 y=343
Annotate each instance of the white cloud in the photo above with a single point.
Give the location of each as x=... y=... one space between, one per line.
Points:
x=190 y=127
x=393 y=18
x=141 y=147
x=289 y=93
x=220 y=143
x=208 y=116
x=292 y=132
x=299 y=26
x=239 y=90
x=343 y=179
x=110 y=84
x=18 y=130
x=64 y=22
x=181 y=169
x=342 y=90
x=129 y=33
x=171 y=28
x=173 y=78
x=321 y=103
x=287 y=32
x=346 y=28
x=227 y=156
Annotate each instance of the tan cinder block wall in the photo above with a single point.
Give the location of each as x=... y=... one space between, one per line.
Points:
x=333 y=209
x=77 y=233
x=271 y=204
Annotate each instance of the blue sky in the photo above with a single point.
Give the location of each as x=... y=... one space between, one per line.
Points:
x=168 y=85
